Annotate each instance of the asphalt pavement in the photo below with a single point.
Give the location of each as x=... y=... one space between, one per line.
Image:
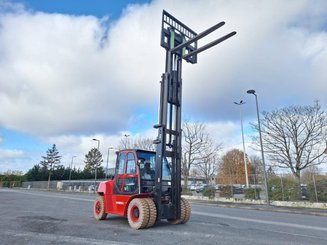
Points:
x=36 y=217
x=264 y=207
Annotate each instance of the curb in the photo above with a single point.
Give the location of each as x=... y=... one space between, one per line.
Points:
x=263 y=207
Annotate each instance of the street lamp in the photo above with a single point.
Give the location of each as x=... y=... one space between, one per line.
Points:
x=96 y=168
x=71 y=166
x=98 y=142
x=244 y=154
x=126 y=143
x=262 y=155
x=109 y=148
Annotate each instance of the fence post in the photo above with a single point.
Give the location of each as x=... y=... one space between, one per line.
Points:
x=282 y=186
x=314 y=186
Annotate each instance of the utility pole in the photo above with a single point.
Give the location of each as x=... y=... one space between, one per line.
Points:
x=244 y=154
x=96 y=166
x=262 y=154
x=71 y=166
x=109 y=148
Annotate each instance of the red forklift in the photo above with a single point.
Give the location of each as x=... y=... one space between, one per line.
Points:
x=147 y=185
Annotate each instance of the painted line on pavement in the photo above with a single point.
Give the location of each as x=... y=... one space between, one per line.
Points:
x=260 y=221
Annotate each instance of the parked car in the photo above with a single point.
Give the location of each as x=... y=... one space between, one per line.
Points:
x=304 y=192
x=237 y=190
x=200 y=188
x=192 y=187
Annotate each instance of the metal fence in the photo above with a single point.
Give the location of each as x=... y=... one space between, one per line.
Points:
x=40 y=184
x=64 y=185
x=281 y=187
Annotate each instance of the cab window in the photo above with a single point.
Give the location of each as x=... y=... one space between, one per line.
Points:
x=130 y=169
x=121 y=163
x=147 y=165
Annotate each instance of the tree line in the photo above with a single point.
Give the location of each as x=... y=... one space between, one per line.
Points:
x=294 y=138
x=50 y=168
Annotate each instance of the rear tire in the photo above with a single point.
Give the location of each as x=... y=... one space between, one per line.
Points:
x=182 y=218
x=153 y=212
x=185 y=213
x=188 y=210
x=138 y=213
x=98 y=208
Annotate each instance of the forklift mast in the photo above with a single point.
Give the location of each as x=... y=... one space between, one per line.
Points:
x=180 y=43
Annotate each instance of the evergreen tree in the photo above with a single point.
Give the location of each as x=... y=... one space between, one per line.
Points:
x=35 y=174
x=93 y=161
x=50 y=161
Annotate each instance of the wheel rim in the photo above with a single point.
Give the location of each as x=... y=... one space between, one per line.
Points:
x=98 y=207
x=135 y=214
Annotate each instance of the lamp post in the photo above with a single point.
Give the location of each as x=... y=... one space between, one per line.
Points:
x=244 y=154
x=261 y=145
x=109 y=148
x=96 y=168
x=71 y=166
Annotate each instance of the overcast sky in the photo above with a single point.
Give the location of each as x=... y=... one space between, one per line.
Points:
x=70 y=73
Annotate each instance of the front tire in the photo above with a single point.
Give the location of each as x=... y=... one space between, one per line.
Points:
x=152 y=212
x=138 y=213
x=98 y=208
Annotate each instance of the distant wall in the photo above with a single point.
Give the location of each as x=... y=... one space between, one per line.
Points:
x=40 y=184
x=64 y=185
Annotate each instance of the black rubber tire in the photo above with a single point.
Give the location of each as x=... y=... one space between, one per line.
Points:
x=138 y=213
x=183 y=215
x=188 y=210
x=153 y=212
x=98 y=208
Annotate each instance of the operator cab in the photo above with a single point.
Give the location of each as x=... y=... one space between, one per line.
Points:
x=136 y=168
x=146 y=163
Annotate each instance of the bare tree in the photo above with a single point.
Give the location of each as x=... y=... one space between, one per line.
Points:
x=144 y=144
x=256 y=169
x=137 y=143
x=294 y=137
x=193 y=143
x=208 y=161
x=307 y=174
x=125 y=142
x=198 y=150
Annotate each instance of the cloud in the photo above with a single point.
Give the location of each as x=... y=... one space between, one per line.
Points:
x=12 y=159
x=74 y=145
x=11 y=154
x=79 y=74
x=272 y=53
x=228 y=134
x=9 y=7
x=58 y=75
x=66 y=79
